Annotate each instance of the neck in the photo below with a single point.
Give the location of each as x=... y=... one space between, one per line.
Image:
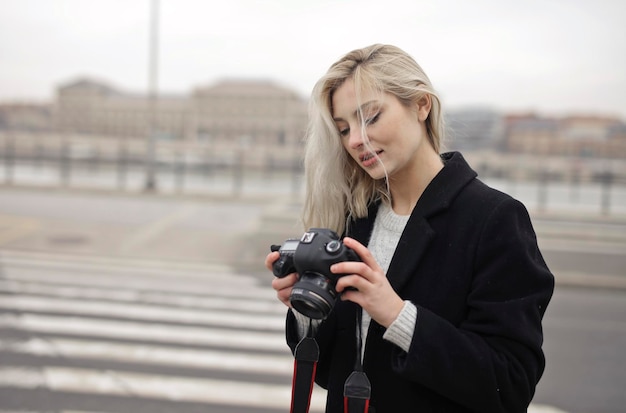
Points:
x=407 y=190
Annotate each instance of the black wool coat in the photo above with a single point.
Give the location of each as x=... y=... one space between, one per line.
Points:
x=468 y=259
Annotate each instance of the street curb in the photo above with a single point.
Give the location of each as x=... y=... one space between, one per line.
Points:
x=573 y=279
x=541 y=408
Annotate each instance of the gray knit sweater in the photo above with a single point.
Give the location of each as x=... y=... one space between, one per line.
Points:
x=388 y=228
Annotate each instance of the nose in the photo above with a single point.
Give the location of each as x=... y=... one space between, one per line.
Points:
x=355 y=139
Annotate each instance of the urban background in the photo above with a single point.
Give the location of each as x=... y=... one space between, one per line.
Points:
x=112 y=200
x=242 y=135
x=134 y=222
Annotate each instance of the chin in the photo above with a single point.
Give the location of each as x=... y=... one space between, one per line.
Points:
x=376 y=173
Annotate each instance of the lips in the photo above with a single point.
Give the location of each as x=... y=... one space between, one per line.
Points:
x=369 y=158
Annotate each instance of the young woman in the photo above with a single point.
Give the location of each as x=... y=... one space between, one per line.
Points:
x=451 y=290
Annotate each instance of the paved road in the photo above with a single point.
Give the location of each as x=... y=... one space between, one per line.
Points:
x=585 y=338
x=120 y=303
x=91 y=334
x=119 y=335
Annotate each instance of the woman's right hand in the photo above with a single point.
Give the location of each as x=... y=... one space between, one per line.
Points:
x=283 y=285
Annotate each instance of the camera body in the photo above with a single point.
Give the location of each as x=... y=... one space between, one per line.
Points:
x=311 y=256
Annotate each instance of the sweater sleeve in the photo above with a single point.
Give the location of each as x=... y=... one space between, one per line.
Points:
x=400 y=332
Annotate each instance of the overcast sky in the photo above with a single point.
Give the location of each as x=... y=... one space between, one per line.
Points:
x=550 y=56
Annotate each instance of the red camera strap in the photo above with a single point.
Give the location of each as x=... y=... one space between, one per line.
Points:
x=305 y=365
x=356 y=393
x=357 y=388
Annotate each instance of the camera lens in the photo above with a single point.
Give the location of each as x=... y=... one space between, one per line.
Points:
x=312 y=308
x=313 y=296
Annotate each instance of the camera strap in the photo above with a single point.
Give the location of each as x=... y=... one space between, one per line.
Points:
x=305 y=365
x=357 y=388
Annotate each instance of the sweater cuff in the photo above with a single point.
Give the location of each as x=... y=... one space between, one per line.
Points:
x=400 y=332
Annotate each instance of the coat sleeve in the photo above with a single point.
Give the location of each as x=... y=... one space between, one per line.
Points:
x=492 y=360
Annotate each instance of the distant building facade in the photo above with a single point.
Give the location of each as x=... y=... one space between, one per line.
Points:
x=240 y=112
x=573 y=136
x=94 y=108
x=251 y=114
x=26 y=117
x=248 y=113
x=473 y=129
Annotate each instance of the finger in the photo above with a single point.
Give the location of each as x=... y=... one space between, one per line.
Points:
x=285 y=282
x=283 y=287
x=270 y=258
x=350 y=267
x=350 y=295
x=362 y=251
x=354 y=281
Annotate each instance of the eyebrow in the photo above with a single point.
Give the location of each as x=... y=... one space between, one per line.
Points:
x=362 y=108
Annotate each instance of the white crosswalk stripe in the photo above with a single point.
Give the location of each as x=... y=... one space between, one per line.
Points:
x=142 y=330
x=135 y=331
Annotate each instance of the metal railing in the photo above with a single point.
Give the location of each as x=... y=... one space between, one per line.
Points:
x=592 y=186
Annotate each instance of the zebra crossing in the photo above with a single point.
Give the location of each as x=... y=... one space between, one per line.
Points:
x=97 y=335
x=85 y=334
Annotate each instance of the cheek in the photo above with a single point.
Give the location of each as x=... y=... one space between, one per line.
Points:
x=350 y=153
x=344 y=144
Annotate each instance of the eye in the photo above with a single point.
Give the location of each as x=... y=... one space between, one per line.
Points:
x=372 y=120
x=344 y=132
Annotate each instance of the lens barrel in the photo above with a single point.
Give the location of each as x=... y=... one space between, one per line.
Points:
x=313 y=296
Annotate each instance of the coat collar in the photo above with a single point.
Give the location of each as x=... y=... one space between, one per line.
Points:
x=437 y=197
x=445 y=186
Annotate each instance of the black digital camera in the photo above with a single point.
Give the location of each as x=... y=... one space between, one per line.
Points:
x=311 y=256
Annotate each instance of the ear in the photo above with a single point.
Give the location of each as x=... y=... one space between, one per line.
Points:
x=423 y=107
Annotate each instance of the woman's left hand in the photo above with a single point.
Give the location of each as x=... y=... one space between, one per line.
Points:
x=374 y=293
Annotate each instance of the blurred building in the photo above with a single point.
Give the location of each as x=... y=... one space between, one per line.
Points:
x=26 y=117
x=236 y=112
x=92 y=107
x=254 y=114
x=247 y=113
x=473 y=129
x=573 y=136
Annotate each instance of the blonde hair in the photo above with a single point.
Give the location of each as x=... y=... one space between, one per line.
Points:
x=338 y=189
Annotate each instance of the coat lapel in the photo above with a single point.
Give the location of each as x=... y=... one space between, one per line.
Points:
x=418 y=233
x=413 y=243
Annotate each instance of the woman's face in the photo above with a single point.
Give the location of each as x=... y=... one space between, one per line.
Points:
x=396 y=133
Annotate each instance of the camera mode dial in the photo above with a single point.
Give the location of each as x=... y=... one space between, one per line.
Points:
x=333 y=247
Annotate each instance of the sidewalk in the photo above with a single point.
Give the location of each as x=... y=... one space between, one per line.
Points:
x=238 y=232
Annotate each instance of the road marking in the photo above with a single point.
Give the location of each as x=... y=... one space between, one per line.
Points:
x=542 y=408
x=142 y=297
x=116 y=268
x=153 y=355
x=229 y=300
x=590 y=280
x=191 y=269
x=574 y=245
x=143 y=312
x=171 y=388
x=227 y=286
x=127 y=330
x=125 y=384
